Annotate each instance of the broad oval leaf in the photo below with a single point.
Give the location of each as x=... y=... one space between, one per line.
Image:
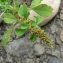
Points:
x=35 y=3
x=33 y=37
x=24 y=26
x=16 y=3
x=38 y=19
x=23 y=11
x=6 y=37
x=9 y=7
x=43 y=10
x=8 y=18
x=19 y=31
x=33 y=23
x=8 y=1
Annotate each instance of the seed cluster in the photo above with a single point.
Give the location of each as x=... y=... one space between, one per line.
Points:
x=42 y=35
x=39 y=33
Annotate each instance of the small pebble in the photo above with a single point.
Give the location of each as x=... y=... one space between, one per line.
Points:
x=39 y=50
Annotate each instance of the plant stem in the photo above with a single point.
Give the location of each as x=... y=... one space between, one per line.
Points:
x=2 y=14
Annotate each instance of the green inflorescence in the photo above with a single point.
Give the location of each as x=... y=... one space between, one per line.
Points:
x=42 y=35
x=39 y=33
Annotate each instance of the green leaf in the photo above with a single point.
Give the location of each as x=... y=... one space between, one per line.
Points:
x=2 y=0
x=33 y=37
x=38 y=19
x=5 y=1
x=6 y=37
x=42 y=28
x=9 y=7
x=1 y=4
x=8 y=1
x=4 y=4
x=43 y=10
x=23 y=11
x=19 y=31
x=33 y=23
x=24 y=26
x=16 y=3
x=8 y=18
x=35 y=3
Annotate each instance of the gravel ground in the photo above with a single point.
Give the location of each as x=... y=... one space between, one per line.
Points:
x=23 y=51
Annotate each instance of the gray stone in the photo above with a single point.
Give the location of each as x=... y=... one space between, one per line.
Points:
x=39 y=50
x=28 y=2
x=37 y=60
x=21 y=1
x=58 y=16
x=61 y=48
x=62 y=54
x=59 y=23
x=9 y=58
x=1 y=59
x=61 y=35
x=0 y=37
x=29 y=61
x=48 y=50
x=38 y=40
x=54 y=60
x=58 y=41
x=61 y=11
x=61 y=16
x=19 y=47
x=56 y=53
x=53 y=28
x=44 y=62
x=62 y=62
x=52 y=38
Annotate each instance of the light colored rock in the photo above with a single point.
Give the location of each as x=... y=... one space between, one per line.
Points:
x=61 y=61
x=37 y=60
x=54 y=4
x=9 y=58
x=61 y=35
x=54 y=60
x=62 y=54
x=61 y=48
x=1 y=59
x=56 y=53
x=39 y=50
x=61 y=16
x=19 y=47
x=44 y=62
x=29 y=61
x=58 y=41
x=61 y=11
x=58 y=16
x=59 y=23
x=53 y=28
x=28 y=2
x=48 y=50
